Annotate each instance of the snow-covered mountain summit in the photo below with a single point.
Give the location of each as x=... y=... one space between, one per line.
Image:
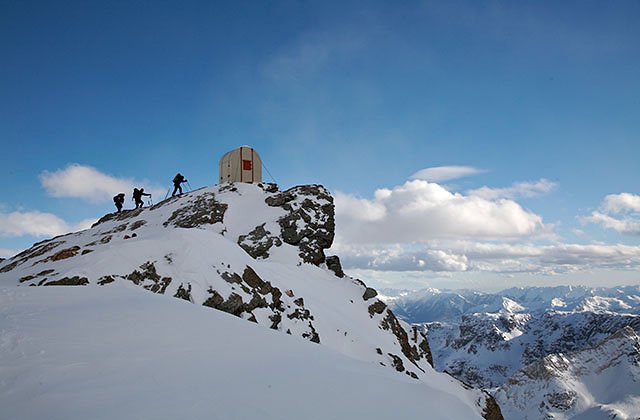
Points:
x=251 y=251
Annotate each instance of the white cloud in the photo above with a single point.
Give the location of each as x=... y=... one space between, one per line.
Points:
x=518 y=189
x=618 y=203
x=36 y=223
x=86 y=182
x=619 y=212
x=418 y=211
x=504 y=258
x=445 y=173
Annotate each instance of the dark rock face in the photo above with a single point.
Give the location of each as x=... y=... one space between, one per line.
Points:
x=492 y=409
x=369 y=293
x=37 y=250
x=124 y=215
x=69 y=281
x=311 y=207
x=62 y=255
x=377 y=307
x=203 y=210
x=263 y=295
x=183 y=293
x=138 y=224
x=148 y=272
x=258 y=242
x=333 y=264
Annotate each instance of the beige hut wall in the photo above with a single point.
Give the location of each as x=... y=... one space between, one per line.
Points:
x=232 y=167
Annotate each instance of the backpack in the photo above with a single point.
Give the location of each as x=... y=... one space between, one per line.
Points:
x=116 y=199
x=178 y=179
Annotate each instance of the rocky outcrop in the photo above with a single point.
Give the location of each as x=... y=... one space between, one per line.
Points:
x=69 y=281
x=310 y=220
x=333 y=264
x=203 y=210
x=258 y=242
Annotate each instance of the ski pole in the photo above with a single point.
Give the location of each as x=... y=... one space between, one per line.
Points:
x=167 y=194
x=189 y=185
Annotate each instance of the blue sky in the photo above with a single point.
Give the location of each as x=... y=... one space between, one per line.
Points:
x=541 y=99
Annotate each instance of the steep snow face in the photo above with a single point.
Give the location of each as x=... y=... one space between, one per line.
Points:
x=248 y=250
x=597 y=383
x=119 y=352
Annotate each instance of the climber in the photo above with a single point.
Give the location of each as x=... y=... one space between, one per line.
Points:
x=118 y=200
x=177 y=180
x=137 y=196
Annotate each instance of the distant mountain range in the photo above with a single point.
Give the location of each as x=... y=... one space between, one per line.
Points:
x=544 y=352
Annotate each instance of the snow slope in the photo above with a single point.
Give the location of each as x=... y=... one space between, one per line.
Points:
x=123 y=353
x=247 y=250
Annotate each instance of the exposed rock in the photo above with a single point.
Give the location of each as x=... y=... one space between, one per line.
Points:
x=106 y=280
x=369 y=293
x=34 y=276
x=213 y=301
x=310 y=222
x=258 y=242
x=148 y=272
x=69 y=281
x=204 y=210
x=233 y=305
x=86 y=251
x=37 y=250
x=333 y=264
x=313 y=335
x=104 y=240
x=251 y=278
x=492 y=409
x=124 y=215
x=26 y=278
x=424 y=350
x=414 y=352
x=268 y=187
x=377 y=307
x=137 y=224
x=396 y=362
x=183 y=293
x=275 y=320
x=120 y=228
x=62 y=255
x=231 y=277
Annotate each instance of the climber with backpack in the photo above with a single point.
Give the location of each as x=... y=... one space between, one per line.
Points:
x=137 y=197
x=118 y=200
x=177 y=180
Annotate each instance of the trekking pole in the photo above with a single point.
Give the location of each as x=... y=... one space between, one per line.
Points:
x=150 y=202
x=189 y=185
x=167 y=194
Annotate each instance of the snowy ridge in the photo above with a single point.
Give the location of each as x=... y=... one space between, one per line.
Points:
x=601 y=382
x=253 y=252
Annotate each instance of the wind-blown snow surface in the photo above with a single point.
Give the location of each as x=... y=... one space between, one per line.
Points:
x=248 y=250
x=123 y=353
